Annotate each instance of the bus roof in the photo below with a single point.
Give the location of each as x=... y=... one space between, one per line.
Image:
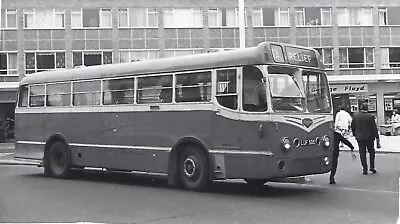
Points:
x=231 y=58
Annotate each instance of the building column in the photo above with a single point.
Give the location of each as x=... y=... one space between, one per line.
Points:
x=115 y=34
x=249 y=29
x=20 y=43
x=206 y=28
x=335 y=41
x=292 y=20
x=68 y=39
x=161 y=32
x=380 y=105
x=377 y=43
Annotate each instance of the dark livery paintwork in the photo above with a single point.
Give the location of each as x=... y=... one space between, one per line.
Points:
x=236 y=147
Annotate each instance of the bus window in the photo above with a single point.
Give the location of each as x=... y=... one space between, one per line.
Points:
x=58 y=94
x=86 y=93
x=226 y=88
x=155 y=89
x=254 y=95
x=37 y=95
x=23 y=96
x=317 y=91
x=286 y=90
x=118 y=91
x=193 y=87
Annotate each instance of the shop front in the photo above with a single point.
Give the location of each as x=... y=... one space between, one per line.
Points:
x=381 y=92
x=8 y=97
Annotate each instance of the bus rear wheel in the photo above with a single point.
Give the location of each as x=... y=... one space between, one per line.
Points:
x=58 y=161
x=193 y=168
x=256 y=182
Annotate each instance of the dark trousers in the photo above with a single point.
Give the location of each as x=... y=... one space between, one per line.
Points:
x=337 y=138
x=363 y=145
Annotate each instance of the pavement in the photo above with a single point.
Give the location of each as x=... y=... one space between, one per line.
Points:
x=390 y=144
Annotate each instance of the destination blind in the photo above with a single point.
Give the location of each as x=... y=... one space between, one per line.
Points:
x=303 y=57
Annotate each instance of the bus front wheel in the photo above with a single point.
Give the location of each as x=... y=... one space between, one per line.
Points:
x=256 y=182
x=193 y=168
x=58 y=161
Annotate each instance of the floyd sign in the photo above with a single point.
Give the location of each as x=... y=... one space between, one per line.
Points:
x=349 y=88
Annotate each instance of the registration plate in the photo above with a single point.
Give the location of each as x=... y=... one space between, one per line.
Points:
x=306 y=142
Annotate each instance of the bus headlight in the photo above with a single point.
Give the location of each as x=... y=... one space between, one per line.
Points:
x=326 y=141
x=326 y=161
x=286 y=144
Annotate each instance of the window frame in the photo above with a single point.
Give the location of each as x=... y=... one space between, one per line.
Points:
x=217 y=94
x=102 y=13
x=172 y=75
x=8 y=70
x=348 y=16
x=302 y=11
x=55 y=83
x=130 y=52
x=95 y=92
x=55 y=12
x=54 y=53
x=88 y=52
x=11 y=12
x=175 y=24
x=347 y=65
x=175 y=86
x=385 y=14
x=325 y=10
x=103 y=91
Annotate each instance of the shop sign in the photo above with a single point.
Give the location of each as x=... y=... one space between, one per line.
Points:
x=8 y=97
x=388 y=104
x=352 y=88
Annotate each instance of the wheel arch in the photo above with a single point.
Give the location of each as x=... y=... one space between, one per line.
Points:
x=173 y=178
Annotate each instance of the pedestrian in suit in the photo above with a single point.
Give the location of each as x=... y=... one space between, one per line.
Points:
x=337 y=138
x=365 y=130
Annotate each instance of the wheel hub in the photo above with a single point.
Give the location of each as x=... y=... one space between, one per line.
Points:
x=189 y=167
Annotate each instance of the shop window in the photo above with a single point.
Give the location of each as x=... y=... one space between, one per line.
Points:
x=180 y=17
x=391 y=102
x=193 y=87
x=91 y=58
x=86 y=93
x=118 y=91
x=355 y=17
x=11 y=18
x=227 y=95
x=58 y=94
x=38 y=62
x=356 y=57
x=154 y=89
x=36 y=96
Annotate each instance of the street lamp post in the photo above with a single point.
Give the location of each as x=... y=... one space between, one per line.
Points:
x=242 y=33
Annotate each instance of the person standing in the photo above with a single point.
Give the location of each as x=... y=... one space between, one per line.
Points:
x=395 y=121
x=342 y=122
x=365 y=130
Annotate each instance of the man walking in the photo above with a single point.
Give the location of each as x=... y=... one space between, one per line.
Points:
x=365 y=130
x=342 y=123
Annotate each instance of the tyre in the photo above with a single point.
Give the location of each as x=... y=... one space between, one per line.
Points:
x=256 y=182
x=57 y=162
x=193 y=168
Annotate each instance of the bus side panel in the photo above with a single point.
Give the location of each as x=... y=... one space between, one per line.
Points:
x=165 y=128
x=29 y=129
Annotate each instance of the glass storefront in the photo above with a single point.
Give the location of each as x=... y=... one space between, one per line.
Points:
x=391 y=102
x=352 y=102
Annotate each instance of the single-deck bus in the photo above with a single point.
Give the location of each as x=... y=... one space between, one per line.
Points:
x=260 y=113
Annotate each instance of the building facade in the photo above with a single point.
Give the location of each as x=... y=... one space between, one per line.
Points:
x=355 y=38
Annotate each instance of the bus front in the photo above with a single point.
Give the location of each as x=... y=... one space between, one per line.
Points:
x=301 y=111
